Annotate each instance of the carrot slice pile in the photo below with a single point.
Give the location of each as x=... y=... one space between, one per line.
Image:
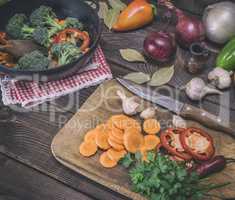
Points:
x=106 y=162
x=151 y=126
x=88 y=149
x=133 y=142
x=116 y=155
x=118 y=136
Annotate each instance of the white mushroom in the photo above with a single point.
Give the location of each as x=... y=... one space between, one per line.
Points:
x=149 y=112
x=196 y=89
x=130 y=105
x=220 y=78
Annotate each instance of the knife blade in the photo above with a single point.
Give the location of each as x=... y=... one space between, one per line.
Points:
x=184 y=110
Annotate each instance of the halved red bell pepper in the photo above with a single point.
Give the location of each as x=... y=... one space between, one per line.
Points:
x=197 y=143
x=170 y=140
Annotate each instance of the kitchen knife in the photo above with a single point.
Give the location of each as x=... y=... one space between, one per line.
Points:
x=184 y=110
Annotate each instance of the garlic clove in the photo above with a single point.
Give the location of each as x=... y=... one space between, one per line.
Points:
x=178 y=122
x=130 y=105
x=196 y=89
x=220 y=78
x=149 y=112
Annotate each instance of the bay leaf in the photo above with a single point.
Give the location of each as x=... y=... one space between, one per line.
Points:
x=111 y=17
x=162 y=76
x=137 y=77
x=117 y=4
x=132 y=55
x=103 y=11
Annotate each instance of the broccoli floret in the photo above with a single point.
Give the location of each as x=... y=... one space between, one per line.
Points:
x=44 y=16
x=17 y=27
x=43 y=35
x=71 y=22
x=33 y=61
x=65 y=52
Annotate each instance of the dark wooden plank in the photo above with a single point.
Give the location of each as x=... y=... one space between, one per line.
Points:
x=31 y=146
x=20 y=182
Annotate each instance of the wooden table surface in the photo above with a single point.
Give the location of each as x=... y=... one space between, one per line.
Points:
x=28 y=170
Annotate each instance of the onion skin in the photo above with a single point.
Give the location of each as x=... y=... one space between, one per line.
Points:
x=159 y=46
x=218 y=20
x=188 y=30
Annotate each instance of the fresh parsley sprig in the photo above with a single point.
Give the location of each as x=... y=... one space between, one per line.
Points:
x=163 y=179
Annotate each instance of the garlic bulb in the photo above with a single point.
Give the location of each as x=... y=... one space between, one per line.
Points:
x=149 y=112
x=130 y=105
x=178 y=122
x=196 y=89
x=220 y=78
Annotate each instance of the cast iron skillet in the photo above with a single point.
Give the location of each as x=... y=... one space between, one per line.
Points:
x=63 y=8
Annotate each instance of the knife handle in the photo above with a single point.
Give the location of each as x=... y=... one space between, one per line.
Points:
x=207 y=119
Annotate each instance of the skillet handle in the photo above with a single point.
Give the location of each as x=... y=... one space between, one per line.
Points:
x=94 y=4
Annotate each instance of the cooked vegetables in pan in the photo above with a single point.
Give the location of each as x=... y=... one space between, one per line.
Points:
x=62 y=41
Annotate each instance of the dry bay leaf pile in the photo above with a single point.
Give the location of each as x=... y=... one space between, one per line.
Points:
x=160 y=77
x=110 y=10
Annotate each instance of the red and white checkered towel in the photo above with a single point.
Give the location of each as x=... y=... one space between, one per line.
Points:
x=29 y=93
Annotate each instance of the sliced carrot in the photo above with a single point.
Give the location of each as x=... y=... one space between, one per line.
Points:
x=144 y=155
x=151 y=142
x=131 y=130
x=109 y=123
x=116 y=155
x=123 y=122
x=90 y=135
x=118 y=133
x=88 y=148
x=151 y=126
x=106 y=162
x=113 y=138
x=115 y=145
x=133 y=142
x=102 y=136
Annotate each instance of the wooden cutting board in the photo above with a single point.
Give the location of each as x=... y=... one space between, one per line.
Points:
x=97 y=109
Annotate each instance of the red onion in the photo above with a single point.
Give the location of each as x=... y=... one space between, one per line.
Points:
x=188 y=29
x=159 y=46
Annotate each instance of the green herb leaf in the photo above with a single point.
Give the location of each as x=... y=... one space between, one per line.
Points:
x=111 y=17
x=132 y=55
x=126 y=161
x=117 y=4
x=103 y=11
x=164 y=179
x=162 y=76
x=137 y=77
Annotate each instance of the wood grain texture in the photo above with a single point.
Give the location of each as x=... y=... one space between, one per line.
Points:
x=26 y=136
x=19 y=182
x=97 y=109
